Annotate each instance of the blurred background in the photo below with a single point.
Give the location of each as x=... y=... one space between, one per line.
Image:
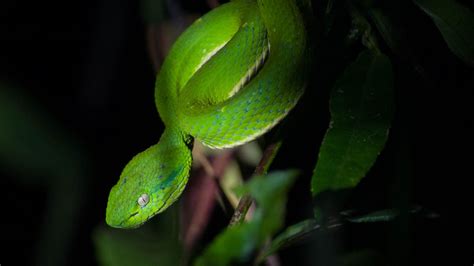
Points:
x=76 y=103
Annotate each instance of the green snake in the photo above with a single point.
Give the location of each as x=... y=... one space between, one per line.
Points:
x=229 y=78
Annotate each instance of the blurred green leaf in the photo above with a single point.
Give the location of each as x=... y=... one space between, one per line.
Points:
x=361 y=108
x=377 y=216
x=364 y=257
x=151 y=244
x=238 y=243
x=386 y=215
x=332 y=14
x=386 y=29
x=31 y=142
x=291 y=233
x=34 y=145
x=456 y=24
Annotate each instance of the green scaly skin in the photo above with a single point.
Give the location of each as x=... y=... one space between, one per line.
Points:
x=229 y=78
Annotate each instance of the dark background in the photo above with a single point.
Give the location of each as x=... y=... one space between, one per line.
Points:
x=86 y=64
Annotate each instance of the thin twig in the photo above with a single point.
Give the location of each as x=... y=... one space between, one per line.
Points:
x=261 y=169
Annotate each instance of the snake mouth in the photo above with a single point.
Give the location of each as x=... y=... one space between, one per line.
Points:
x=121 y=225
x=127 y=223
x=159 y=209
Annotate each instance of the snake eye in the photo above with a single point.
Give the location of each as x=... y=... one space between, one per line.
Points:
x=143 y=200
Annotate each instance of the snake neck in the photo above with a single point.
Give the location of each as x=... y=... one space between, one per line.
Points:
x=174 y=139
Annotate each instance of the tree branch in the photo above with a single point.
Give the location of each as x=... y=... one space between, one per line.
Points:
x=261 y=169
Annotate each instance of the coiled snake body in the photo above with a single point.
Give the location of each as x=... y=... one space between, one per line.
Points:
x=229 y=78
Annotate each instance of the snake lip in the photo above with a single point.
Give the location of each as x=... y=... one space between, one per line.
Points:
x=148 y=218
x=121 y=224
x=130 y=217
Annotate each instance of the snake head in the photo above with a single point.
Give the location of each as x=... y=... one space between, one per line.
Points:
x=148 y=185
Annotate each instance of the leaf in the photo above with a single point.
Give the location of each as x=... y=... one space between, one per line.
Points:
x=41 y=152
x=387 y=30
x=238 y=243
x=387 y=215
x=456 y=24
x=377 y=216
x=151 y=244
x=291 y=233
x=365 y=257
x=31 y=142
x=361 y=108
